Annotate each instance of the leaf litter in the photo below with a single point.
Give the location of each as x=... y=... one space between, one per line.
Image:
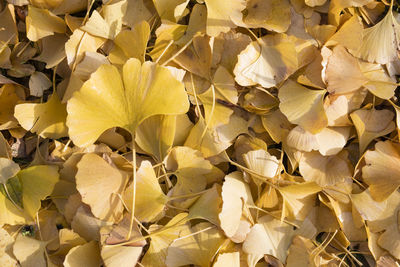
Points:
x=199 y=133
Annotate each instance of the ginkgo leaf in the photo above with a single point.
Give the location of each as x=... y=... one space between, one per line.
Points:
x=301 y=253
x=160 y=240
x=79 y=43
x=368 y=208
x=8 y=23
x=299 y=199
x=343 y=73
x=170 y=10
x=142 y=91
x=94 y=175
x=262 y=163
x=386 y=31
x=150 y=199
x=157 y=134
x=325 y=170
x=9 y=97
x=196 y=245
x=371 y=124
x=123 y=49
x=120 y=256
x=303 y=106
x=37 y=183
x=222 y=16
x=6 y=256
x=379 y=82
x=228 y=259
x=8 y=169
x=41 y=23
x=38 y=82
x=267 y=61
x=9 y=213
x=381 y=172
x=47 y=119
x=388 y=225
x=273 y=15
x=210 y=199
x=235 y=194
x=349 y=35
x=87 y=255
x=269 y=236
x=29 y=251
x=107 y=27
x=190 y=168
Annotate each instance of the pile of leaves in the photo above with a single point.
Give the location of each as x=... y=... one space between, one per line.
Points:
x=199 y=132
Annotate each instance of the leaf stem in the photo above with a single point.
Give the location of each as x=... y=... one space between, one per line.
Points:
x=133 y=146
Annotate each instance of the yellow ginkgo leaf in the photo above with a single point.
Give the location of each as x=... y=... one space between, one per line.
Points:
x=214 y=141
x=235 y=194
x=157 y=134
x=299 y=199
x=222 y=16
x=343 y=73
x=267 y=61
x=381 y=172
x=269 y=236
x=210 y=199
x=6 y=256
x=197 y=245
x=79 y=43
x=41 y=23
x=190 y=168
x=120 y=255
x=371 y=124
x=38 y=82
x=228 y=259
x=325 y=170
x=368 y=208
x=9 y=213
x=387 y=31
x=379 y=82
x=262 y=163
x=170 y=10
x=37 y=183
x=349 y=35
x=84 y=255
x=96 y=175
x=303 y=106
x=109 y=26
x=47 y=119
x=108 y=100
x=8 y=23
x=8 y=169
x=150 y=199
x=387 y=226
x=222 y=89
x=29 y=251
x=9 y=97
x=53 y=50
x=301 y=253
x=273 y=15
x=161 y=238
x=123 y=44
